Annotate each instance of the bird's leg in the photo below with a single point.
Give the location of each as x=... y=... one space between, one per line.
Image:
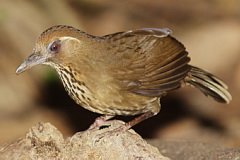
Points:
x=127 y=125
x=133 y=122
x=99 y=121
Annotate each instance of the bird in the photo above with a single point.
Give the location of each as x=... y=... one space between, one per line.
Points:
x=124 y=73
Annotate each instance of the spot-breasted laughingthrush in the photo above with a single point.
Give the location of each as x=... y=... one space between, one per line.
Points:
x=124 y=73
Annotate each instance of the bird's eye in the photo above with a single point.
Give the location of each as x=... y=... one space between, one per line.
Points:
x=55 y=46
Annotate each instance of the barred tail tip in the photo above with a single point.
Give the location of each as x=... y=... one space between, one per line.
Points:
x=209 y=84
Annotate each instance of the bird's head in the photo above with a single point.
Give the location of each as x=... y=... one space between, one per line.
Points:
x=54 y=46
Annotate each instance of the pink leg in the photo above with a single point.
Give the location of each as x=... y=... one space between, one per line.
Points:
x=99 y=121
x=127 y=125
x=135 y=121
x=139 y=119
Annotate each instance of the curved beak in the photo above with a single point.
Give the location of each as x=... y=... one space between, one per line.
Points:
x=31 y=61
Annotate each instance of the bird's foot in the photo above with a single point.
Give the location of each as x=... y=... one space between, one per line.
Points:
x=124 y=127
x=116 y=131
x=99 y=122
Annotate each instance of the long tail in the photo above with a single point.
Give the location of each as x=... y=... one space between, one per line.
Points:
x=208 y=84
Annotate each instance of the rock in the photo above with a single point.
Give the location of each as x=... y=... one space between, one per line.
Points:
x=44 y=141
x=181 y=150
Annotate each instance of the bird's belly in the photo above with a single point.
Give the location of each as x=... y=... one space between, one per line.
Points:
x=123 y=104
x=109 y=100
x=117 y=104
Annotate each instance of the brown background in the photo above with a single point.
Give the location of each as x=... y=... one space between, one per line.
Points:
x=209 y=29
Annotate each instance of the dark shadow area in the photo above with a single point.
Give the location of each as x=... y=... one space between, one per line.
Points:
x=206 y=122
x=56 y=98
x=172 y=109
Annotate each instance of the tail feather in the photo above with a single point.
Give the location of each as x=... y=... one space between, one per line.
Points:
x=208 y=84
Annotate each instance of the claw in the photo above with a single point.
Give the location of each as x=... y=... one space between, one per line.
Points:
x=99 y=122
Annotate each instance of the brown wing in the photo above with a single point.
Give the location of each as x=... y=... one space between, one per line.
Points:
x=150 y=61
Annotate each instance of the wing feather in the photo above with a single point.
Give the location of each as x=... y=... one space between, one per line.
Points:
x=151 y=62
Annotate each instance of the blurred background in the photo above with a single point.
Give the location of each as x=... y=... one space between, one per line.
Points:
x=210 y=30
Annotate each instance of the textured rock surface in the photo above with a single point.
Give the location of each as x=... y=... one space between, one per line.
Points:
x=181 y=150
x=44 y=141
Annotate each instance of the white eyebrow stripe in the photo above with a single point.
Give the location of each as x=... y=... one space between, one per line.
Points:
x=62 y=39
x=69 y=38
